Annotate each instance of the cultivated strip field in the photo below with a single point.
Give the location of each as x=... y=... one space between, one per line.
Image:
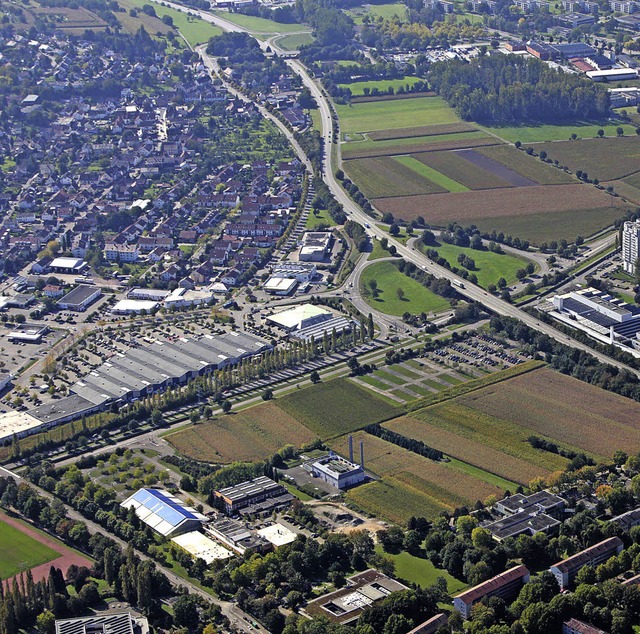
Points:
x=497 y=169
x=440 y=485
x=251 y=434
x=432 y=174
x=605 y=159
x=557 y=211
x=468 y=443
x=425 y=130
x=379 y=176
x=563 y=408
x=336 y=407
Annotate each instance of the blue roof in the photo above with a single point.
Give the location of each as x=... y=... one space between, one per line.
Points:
x=169 y=509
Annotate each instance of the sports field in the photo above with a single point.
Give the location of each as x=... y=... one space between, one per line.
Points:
x=336 y=407
x=357 y=88
x=490 y=266
x=562 y=408
x=247 y=435
x=540 y=133
x=402 y=113
x=20 y=552
x=414 y=299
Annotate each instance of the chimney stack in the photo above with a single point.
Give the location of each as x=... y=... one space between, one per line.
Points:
x=350 y=448
x=362 y=454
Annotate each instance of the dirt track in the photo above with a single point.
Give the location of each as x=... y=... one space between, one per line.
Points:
x=67 y=556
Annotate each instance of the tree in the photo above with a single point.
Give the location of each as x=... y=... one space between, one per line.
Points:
x=185 y=611
x=267 y=395
x=226 y=406
x=619 y=131
x=46 y=622
x=370 y=327
x=314 y=377
x=156 y=417
x=400 y=294
x=601 y=133
x=394 y=229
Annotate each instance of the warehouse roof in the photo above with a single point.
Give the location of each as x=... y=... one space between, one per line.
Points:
x=300 y=316
x=16 y=423
x=80 y=294
x=122 y=623
x=249 y=488
x=162 y=511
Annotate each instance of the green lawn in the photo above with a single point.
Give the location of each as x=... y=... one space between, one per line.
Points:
x=537 y=134
x=195 y=30
x=390 y=114
x=421 y=571
x=389 y=279
x=386 y=11
x=357 y=87
x=432 y=174
x=320 y=219
x=295 y=41
x=20 y=552
x=490 y=266
x=259 y=25
x=378 y=252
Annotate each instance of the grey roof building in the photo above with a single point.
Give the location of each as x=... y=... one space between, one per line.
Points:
x=123 y=623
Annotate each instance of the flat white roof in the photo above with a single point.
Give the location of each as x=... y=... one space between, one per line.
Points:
x=199 y=545
x=292 y=317
x=134 y=305
x=275 y=283
x=66 y=263
x=277 y=534
x=613 y=72
x=16 y=423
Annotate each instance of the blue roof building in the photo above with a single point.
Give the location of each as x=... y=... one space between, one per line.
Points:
x=164 y=512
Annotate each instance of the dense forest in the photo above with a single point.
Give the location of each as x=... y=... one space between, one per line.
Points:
x=508 y=88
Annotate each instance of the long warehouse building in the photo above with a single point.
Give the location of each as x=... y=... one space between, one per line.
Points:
x=152 y=367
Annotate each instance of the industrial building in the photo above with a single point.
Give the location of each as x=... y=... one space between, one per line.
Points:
x=337 y=471
x=277 y=535
x=315 y=246
x=134 y=306
x=259 y=495
x=164 y=512
x=566 y=570
x=122 y=623
x=345 y=606
x=152 y=367
x=506 y=586
x=300 y=317
x=280 y=286
x=28 y=333
x=613 y=74
x=236 y=536
x=67 y=265
x=80 y=298
x=600 y=315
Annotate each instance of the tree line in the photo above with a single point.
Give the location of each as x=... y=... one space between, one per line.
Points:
x=511 y=88
x=411 y=444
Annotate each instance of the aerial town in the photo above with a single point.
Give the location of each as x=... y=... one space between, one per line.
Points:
x=319 y=317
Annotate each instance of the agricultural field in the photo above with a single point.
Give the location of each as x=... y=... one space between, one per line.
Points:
x=531 y=213
x=335 y=408
x=386 y=115
x=195 y=30
x=563 y=408
x=604 y=159
x=385 y=11
x=527 y=166
x=441 y=484
x=74 y=20
x=357 y=88
x=414 y=298
x=295 y=41
x=490 y=266
x=540 y=133
x=425 y=130
x=378 y=177
x=410 y=145
x=247 y=435
x=19 y=551
x=435 y=176
x=259 y=25
x=433 y=428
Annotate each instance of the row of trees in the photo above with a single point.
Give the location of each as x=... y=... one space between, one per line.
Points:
x=410 y=444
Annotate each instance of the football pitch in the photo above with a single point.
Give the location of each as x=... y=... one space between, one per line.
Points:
x=19 y=551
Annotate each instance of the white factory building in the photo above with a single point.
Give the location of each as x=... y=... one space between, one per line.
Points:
x=338 y=471
x=630 y=246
